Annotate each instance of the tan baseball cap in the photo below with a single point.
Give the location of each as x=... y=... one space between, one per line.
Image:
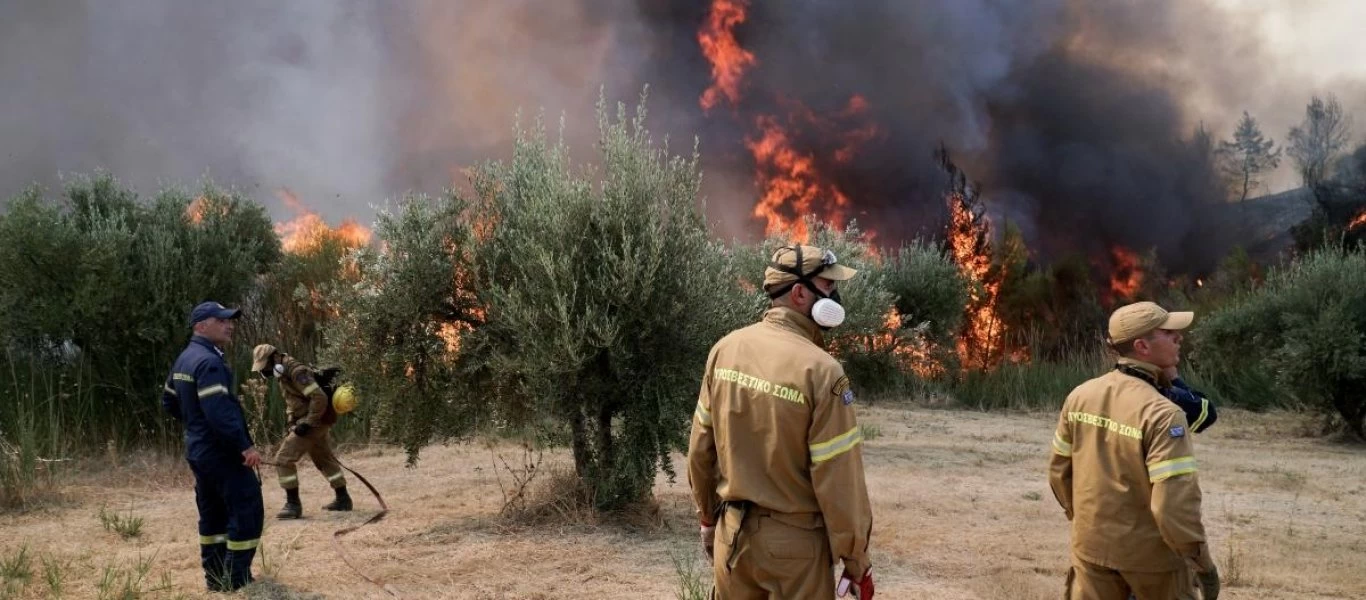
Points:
x=783 y=266
x=1133 y=321
x=260 y=355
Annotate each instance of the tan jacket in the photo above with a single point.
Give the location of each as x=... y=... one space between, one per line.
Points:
x=305 y=400
x=775 y=425
x=1123 y=469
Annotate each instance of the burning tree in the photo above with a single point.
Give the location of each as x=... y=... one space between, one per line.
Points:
x=301 y=294
x=967 y=239
x=389 y=334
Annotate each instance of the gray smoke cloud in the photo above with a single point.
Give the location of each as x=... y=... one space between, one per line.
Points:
x=1074 y=115
x=344 y=102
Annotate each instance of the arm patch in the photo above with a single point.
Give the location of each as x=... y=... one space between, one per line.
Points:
x=843 y=391
x=302 y=377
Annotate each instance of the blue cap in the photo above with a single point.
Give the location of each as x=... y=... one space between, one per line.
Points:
x=213 y=309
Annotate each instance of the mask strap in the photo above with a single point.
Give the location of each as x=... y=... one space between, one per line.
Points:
x=802 y=278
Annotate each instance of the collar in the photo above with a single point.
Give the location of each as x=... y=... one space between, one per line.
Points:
x=788 y=318
x=1146 y=371
x=203 y=341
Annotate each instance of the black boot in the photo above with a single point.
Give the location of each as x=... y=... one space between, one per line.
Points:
x=294 y=509
x=343 y=501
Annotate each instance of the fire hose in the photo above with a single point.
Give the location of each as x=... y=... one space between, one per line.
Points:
x=336 y=535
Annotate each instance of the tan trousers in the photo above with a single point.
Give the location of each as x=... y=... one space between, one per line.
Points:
x=318 y=446
x=1087 y=581
x=762 y=555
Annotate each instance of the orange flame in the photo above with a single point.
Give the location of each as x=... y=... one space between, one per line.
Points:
x=728 y=60
x=1126 y=274
x=791 y=181
x=1357 y=221
x=792 y=187
x=983 y=338
x=914 y=355
x=195 y=210
x=308 y=231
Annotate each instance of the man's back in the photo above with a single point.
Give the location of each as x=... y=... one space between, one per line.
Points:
x=762 y=379
x=1126 y=443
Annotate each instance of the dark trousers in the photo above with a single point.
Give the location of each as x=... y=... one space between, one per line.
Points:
x=231 y=515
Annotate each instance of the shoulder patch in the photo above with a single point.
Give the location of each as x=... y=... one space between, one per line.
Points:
x=841 y=385
x=1177 y=431
x=843 y=391
x=302 y=377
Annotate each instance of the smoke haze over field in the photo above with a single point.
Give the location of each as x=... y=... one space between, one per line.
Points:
x=1073 y=115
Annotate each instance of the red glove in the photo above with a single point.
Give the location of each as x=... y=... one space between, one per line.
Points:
x=863 y=588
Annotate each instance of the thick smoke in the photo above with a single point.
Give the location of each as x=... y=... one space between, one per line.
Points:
x=346 y=103
x=1074 y=115
x=1076 y=118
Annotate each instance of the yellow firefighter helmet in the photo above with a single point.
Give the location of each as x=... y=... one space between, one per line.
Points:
x=344 y=399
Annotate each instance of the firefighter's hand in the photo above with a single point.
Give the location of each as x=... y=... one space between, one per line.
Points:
x=253 y=458
x=302 y=429
x=708 y=536
x=1209 y=583
x=863 y=588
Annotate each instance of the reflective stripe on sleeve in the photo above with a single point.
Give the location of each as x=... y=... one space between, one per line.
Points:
x=1171 y=468
x=1204 y=414
x=703 y=415
x=312 y=388
x=212 y=390
x=1061 y=447
x=836 y=446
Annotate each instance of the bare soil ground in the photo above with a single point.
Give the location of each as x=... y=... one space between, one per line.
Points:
x=961 y=503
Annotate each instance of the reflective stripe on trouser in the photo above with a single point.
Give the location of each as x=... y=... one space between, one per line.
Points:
x=318 y=446
x=773 y=556
x=1087 y=581
x=231 y=516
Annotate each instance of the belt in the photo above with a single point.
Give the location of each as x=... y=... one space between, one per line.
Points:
x=745 y=509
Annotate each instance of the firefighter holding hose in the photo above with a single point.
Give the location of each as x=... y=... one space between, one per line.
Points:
x=311 y=416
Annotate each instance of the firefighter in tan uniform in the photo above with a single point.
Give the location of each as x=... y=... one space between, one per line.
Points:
x=310 y=418
x=774 y=459
x=1123 y=469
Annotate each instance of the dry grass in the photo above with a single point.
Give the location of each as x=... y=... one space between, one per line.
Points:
x=962 y=510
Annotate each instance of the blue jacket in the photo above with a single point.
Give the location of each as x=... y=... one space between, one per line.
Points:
x=1200 y=413
x=199 y=394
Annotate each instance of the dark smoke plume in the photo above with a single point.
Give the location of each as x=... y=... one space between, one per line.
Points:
x=1075 y=116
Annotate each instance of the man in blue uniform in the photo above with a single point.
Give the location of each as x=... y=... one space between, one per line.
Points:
x=199 y=394
x=1200 y=412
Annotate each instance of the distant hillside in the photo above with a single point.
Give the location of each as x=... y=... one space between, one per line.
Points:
x=1269 y=219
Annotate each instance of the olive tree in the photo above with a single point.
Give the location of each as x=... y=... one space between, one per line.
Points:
x=603 y=292
x=1302 y=333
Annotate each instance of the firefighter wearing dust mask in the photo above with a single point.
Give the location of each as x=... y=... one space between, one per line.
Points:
x=310 y=416
x=774 y=459
x=1123 y=469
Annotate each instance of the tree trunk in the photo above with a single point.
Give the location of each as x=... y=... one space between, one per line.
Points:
x=578 y=427
x=1352 y=408
x=605 y=449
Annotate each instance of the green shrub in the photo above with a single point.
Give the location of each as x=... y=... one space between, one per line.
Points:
x=1299 y=339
